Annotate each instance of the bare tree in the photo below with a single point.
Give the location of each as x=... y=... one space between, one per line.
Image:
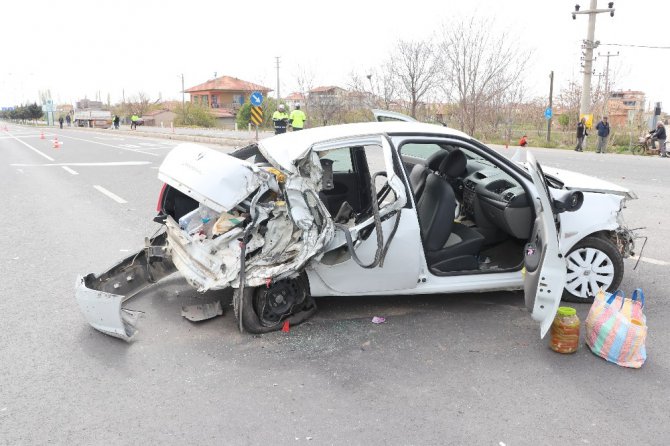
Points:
x=417 y=69
x=480 y=64
x=569 y=100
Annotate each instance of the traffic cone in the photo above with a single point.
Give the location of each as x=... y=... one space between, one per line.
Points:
x=41 y=135
x=56 y=143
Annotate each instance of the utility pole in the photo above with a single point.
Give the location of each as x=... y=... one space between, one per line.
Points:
x=589 y=45
x=278 y=95
x=607 y=79
x=551 y=95
x=183 y=102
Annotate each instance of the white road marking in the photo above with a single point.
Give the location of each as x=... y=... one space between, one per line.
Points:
x=33 y=148
x=652 y=261
x=110 y=145
x=129 y=146
x=67 y=169
x=111 y=164
x=22 y=136
x=111 y=195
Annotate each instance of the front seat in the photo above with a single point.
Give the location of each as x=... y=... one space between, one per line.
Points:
x=449 y=246
x=419 y=173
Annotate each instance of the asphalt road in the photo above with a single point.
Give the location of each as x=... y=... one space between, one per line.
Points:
x=452 y=369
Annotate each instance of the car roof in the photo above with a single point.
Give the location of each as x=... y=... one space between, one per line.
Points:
x=287 y=148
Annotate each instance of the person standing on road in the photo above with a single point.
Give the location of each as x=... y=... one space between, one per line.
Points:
x=660 y=136
x=280 y=119
x=581 y=134
x=116 y=122
x=133 y=121
x=603 y=128
x=523 y=142
x=68 y=120
x=60 y=121
x=297 y=118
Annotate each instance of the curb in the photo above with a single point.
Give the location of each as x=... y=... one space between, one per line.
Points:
x=223 y=141
x=230 y=142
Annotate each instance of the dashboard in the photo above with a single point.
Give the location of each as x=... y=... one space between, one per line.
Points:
x=493 y=199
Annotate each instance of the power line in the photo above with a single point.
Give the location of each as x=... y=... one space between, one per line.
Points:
x=637 y=46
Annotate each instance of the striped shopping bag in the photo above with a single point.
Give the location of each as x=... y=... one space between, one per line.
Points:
x=616 y=328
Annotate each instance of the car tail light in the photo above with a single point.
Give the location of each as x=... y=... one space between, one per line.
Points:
x=159 y=205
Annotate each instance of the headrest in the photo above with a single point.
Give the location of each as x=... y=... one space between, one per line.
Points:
x=434 y=161
x=454 y=164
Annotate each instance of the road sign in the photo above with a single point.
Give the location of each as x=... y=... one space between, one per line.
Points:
x=548 y=113
x=256 y=98
x=256 y=115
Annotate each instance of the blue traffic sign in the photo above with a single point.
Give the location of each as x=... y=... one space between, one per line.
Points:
x=256 y=98
x=548 y=113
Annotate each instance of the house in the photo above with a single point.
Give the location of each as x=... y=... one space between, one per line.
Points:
x=224 y=96
x=327 y=95
x=87 y=104
x=159 y=118
x=295 y=99
x=626 y=108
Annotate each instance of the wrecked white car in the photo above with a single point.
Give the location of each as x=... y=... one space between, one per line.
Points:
x=368 y=209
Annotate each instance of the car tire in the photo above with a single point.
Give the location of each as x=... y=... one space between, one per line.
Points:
x=296 y=307
x=592 y=263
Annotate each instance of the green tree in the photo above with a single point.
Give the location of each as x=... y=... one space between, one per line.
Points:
x=564 y=120
x=194 y=115
x=243 y=116
x=34 y=111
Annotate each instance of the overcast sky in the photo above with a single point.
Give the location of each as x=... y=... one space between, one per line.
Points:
x=78 y=48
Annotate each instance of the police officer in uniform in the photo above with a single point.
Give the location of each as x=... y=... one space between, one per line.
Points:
x=297 y=118
x=280 y=120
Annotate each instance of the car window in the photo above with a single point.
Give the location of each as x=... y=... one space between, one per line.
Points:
x=341 y=160
x=420 y=150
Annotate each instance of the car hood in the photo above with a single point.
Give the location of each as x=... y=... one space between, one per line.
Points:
x=586 y=183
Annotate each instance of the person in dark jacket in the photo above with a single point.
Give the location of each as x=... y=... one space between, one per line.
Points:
x=581 y=133
x=603 y=128
x=660 y=136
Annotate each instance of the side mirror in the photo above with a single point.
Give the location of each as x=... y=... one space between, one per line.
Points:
x=571 y=201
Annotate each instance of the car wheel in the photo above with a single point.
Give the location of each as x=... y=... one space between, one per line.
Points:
x=593 y=263
x=265 y=309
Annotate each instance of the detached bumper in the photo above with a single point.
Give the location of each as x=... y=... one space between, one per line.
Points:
x=100 y=297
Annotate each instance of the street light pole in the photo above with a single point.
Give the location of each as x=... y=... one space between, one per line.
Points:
x=278 y=95
x=551 y=95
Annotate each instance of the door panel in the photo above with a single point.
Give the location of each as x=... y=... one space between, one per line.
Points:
x=544 y=265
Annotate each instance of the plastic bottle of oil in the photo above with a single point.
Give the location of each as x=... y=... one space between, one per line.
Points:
x=565 y=331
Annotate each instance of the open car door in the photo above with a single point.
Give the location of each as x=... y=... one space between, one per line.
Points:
x=544 y=265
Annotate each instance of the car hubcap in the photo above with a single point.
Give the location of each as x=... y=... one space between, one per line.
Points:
x=589 y=269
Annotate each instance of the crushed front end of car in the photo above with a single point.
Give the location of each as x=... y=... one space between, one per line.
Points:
x=228 y=223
